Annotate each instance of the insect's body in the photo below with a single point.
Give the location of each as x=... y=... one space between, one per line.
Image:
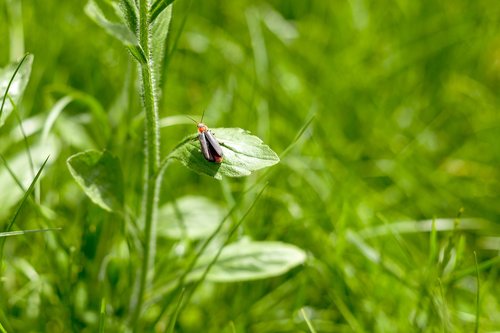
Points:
x=210 y=147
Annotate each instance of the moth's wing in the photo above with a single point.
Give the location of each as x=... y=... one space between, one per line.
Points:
x=204 y=147
x=214 y=143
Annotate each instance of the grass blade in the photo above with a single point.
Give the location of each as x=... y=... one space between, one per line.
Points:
x=173 y=319
x=102 y=315
x=24 y=232
x=24 y=82
x=308 y=322
x=18 y=210
x=477 y=294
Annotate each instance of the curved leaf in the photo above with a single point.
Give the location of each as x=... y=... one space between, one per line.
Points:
x=13 y=81
x=160 y=28
x=99 y=175
x=245 y=261
x=243 y=154
x=158 y=7
x=192 y=217
x=118 y=30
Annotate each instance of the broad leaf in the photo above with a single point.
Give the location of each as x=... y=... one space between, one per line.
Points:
x=15 y=78
x=118 y=30
x=160 y=28
x=192 y=217
x=243 y=154
x=245 y=261
x=99 y=175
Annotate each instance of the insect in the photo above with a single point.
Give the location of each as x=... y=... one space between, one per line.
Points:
x=210 y=147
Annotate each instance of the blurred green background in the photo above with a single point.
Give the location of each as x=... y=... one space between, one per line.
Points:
x=403 y=97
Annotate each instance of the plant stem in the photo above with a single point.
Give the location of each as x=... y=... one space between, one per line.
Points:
x=151 y=163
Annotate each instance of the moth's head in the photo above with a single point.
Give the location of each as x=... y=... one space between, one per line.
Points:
x=202 y=127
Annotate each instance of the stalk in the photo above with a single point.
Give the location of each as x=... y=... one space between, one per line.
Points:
x=151 y=163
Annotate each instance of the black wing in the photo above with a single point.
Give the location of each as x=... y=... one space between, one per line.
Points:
x=204 y=147
x=213 y=142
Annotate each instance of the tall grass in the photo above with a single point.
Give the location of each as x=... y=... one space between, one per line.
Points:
x=385 y=116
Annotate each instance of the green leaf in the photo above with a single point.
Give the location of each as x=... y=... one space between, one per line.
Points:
x=158 y=8
x=21 y=205
x=160 y=28
x=245 y=261
x=118 y=30
x=129 y=13
x=99 y=175
x=20 y=165
x=25 y=232
x=243 y=153
x=192 y=217
x=13 y=81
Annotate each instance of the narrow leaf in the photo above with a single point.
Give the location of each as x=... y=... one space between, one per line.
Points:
x=13 y=81
x=129 y=13
x=118 y=30
x=190 y=217
x=102 y=315
x=160 y=28
x=158 y=8
x=173 y=318
x=53 y=114
x=21 y=205
x=24 y=232
x=99 y=175
x=308 y=321
x=17 y=173
x=245 y=261
x=243 y=154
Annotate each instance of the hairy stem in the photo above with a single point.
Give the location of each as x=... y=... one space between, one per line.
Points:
x=151 y=164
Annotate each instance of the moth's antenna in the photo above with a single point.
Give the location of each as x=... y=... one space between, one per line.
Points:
x=202 y=115
x=192 y=119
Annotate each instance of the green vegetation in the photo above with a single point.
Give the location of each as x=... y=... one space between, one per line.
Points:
x=364 y=198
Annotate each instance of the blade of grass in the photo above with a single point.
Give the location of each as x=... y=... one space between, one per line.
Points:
x=476 y=330
x=460 y=274
x=173 y=319
x=24 y=232
x=25 y=139
x=35 y=204
x=10 y=82
x=2 y=330
x=54 y=113
x=28 y=149
x=354 y=323
x=18 y=210
x=12 y=174
x=308 y=322
x=102 y=315
x=298 y=136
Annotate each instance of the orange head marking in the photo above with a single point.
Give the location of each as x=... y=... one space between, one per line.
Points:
x=202 y=128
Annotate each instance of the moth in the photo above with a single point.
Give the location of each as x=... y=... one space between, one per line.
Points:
x=210 y=147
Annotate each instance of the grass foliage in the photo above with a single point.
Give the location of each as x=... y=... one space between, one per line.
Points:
x=384 y=115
